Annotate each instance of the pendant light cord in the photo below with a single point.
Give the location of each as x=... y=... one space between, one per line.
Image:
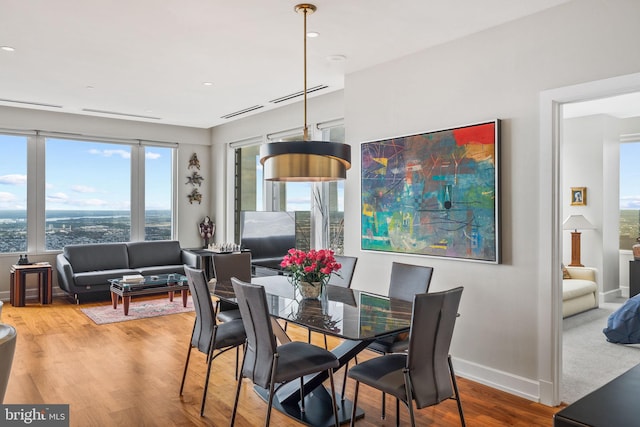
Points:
x=304 y=35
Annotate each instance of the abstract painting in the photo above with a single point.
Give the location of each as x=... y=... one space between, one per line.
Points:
x=434 y=193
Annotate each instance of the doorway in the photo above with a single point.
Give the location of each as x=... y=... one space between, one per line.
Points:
x=550 y=315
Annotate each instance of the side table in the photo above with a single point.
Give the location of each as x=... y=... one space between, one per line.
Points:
x=17 y=283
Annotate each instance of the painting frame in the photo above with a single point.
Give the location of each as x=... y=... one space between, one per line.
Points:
x=578 y=196
x=435 y=193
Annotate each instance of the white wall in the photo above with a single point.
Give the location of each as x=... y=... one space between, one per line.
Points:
x=498 y=73
x=191 y=140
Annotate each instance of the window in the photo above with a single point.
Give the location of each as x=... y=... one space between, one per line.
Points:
x=158 y=193
x=94 y=192
x=13 y=193
x=629 y=200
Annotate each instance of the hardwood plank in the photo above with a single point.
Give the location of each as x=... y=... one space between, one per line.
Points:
x=129 y=373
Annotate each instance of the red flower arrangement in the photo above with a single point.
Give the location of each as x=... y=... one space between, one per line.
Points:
x=315 y=266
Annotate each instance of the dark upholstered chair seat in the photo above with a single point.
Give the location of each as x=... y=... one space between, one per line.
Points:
x=386 y=345
x=230 y=334
x=229 y=315
x=388 y=368
x=297 y=359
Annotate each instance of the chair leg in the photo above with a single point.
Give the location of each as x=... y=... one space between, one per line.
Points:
x=354 y=407
x=274 y=365
x=301 y=394
x=408 y=387
x=397 y=412
x=186 y=365
x=333 y=398
x=455 y=389
x=206 y=381
x=384 y=405
x=235 y=403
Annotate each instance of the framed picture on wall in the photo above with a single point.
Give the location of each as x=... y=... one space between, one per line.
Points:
x=434 y=193
x=578 y=196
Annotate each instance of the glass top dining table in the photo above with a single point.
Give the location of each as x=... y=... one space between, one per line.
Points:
x=357 y=317
x=343 y=312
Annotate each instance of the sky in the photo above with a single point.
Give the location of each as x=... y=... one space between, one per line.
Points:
x=629 y=175
x=84 y=176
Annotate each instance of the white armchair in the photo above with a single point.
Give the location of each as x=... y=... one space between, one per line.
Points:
x=580 y=292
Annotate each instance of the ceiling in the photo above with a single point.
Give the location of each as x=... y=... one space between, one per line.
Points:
x=147 y=60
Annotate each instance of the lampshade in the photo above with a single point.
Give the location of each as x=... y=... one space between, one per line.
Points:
x=577 y=222
x=301 y=161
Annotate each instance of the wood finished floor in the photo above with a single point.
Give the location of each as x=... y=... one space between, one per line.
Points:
x=128 y=374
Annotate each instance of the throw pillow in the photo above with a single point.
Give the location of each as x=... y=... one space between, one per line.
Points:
x=565 y=273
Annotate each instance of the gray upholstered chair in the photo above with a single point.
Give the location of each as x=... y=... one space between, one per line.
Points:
x=267 y=364
x=8 y=336
x=226 y=266
x=207 y=335
x=345 y=274
x=424 y=373
x=405 y=282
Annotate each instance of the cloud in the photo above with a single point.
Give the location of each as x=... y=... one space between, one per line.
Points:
x=110 y=153
x=91 y=202
x=57 y=198
x=83 y=189
x=13 y=179
x=6 y=197
x=630 y=202
x=152 y=156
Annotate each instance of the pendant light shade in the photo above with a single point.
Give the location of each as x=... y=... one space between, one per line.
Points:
x=303 y=161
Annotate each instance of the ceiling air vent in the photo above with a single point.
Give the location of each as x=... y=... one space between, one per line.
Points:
x=115 y=113
x=39 y=104
x=246 y=110
x=297 y=94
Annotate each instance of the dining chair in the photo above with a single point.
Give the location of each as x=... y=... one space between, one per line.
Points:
x=405 y=282
x=226 y=266
x=8 y=336
x=340 y=278
x=267 y=364
x=207 y=335
x=424 y=373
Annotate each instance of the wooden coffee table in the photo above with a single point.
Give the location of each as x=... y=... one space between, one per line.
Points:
x=151 y=285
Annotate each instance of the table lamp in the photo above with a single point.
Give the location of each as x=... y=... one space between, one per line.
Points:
x=575 y=223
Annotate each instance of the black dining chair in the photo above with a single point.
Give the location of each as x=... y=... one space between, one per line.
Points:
x=226 y=266
x=267 y=364
x=424 y=373
x=405 y=282
x=207 y=335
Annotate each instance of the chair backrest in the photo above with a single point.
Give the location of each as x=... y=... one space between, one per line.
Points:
x=408 y=279
x=226 y=266
x=261 y=343
x=205 y=314
x=8 y=336
x=432 y=322
x=345 y=273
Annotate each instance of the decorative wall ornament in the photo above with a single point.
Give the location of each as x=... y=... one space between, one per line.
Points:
x=195 y=179
x=194 y=162
x=195 y=196
x=435 y=193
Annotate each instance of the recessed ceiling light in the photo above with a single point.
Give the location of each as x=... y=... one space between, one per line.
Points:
x=7 y=48
x=336 y=58
x=312 y=34
x=207 y=84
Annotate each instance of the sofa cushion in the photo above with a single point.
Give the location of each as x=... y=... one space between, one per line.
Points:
x=92 y=278
x=96 y=257
x=574 y=288
x=153 y=253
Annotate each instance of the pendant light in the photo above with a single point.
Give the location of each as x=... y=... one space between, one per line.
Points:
x=304 y=161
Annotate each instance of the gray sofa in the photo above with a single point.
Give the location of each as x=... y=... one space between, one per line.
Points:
x=84 y=270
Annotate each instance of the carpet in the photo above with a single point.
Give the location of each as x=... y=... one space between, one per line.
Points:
x=137 y=310
x=589 y=360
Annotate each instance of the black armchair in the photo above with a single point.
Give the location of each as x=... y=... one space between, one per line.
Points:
x=425 y=373
x=265 y=363
x=207 y=335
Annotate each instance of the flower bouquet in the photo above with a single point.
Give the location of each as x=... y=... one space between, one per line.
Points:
x=310 y=271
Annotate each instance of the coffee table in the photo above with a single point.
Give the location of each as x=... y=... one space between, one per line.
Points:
x=149 y=286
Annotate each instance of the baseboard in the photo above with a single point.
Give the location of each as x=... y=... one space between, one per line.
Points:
x=31 y=294
x=509 y=383
x=613 y=294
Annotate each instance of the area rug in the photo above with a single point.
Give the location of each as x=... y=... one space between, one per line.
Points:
x=137 y=310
